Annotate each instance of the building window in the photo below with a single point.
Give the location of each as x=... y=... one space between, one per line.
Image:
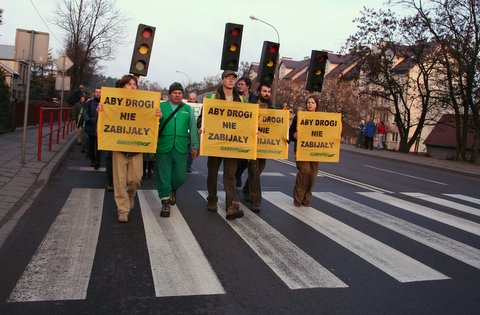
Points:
x=394 y=136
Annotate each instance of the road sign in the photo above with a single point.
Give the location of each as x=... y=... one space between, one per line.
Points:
x=58 y=83
x=63 y=63
x=37 y=40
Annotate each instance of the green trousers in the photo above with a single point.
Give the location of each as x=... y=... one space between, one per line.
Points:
x=171 y=172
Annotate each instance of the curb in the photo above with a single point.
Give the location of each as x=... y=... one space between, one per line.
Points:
x=23 y=204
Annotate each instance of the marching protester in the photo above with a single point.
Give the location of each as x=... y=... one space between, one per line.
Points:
x=252 y=190
x=178 y=131
x=307 y=171
x=226 y=91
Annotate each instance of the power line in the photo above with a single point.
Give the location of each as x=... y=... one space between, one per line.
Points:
x=48 y=27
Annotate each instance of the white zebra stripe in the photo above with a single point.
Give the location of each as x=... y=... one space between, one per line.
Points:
x=291 y=264
x=465 y=198
x=444 y=202
x=179 y=266
x=427 y=212
x=60 y=269
x=441 y=243
x=389 y=260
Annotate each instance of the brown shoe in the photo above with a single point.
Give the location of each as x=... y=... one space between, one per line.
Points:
x=173 y=198
x=132 y=203
x=234 y=212
x=297 y=204
x=306 y=203
x=123 y=217
x=212 y=204
x=165 y=212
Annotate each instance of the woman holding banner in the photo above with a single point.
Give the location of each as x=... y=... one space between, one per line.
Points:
x=307 y=171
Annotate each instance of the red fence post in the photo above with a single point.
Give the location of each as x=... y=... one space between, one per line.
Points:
x=40 y=130
x=59 y=126
x=50 y=138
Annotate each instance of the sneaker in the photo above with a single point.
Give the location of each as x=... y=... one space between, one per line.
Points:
x=212 y=204
x=123 y=217
x=173 y=198
x=234 y=212
x=165 y=212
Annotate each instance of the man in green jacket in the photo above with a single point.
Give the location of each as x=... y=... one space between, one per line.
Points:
x=177 y=126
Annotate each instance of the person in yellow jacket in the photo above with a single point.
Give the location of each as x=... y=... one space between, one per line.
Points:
x=178 y=128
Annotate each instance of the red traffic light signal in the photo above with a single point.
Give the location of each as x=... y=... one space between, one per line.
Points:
x=142 y=49
x=231 y=46
x=316 y=70
x=268 y=62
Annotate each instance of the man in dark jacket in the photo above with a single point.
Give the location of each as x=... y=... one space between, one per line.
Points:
x=90 y=117
x=227 y=92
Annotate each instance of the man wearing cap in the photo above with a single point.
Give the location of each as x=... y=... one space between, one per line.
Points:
x=226 y=91
x=178 y=128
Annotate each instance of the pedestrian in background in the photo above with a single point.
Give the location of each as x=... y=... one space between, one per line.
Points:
x=74 y=98
x=244 y=85
x=192 y=98
x=369 y=134
x=178 y=128
x=307 y=171
x=77 y=113
x=90 y=117
x=360 y=134
x=381 y=135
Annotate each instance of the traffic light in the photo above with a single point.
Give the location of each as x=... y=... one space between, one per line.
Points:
x=268 y=62
x=142 y=49
x=316 y=70
x=231 y=46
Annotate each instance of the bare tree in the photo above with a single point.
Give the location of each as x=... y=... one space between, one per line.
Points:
x=94 y=28
x=455 y=25
x=389 y=47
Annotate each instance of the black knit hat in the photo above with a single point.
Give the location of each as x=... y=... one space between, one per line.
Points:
x=174 y=87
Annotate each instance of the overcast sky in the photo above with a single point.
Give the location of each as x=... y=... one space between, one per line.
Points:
x=189 y=34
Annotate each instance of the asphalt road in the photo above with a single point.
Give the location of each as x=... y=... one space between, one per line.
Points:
x=381 y=236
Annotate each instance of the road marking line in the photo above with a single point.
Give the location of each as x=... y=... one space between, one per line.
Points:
x=430 y=213
x=343 y=179
x=179 y=266
x=465 y=198
x=61 y=267
x=441 y=243
x=86 y=169
x=291 y=264
x=389 y=260
x=444 y=202
x=411 y=176
x=273 y=174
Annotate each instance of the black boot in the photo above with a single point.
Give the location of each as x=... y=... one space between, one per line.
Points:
x=165 y=212
x=150 y=169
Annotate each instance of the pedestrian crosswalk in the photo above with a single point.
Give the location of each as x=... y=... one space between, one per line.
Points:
x=62 y=265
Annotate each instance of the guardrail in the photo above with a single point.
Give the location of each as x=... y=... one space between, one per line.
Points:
x=64 y=127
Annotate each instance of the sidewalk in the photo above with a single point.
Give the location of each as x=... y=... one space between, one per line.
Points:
x=21 y=183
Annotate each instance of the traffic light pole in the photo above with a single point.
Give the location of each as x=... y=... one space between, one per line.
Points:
x=277 y=66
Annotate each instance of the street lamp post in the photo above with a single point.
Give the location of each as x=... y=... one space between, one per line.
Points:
x=188 y=77
x=275 y=80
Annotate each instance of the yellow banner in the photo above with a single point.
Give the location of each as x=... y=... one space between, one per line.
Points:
x=229 y=129
x=128 y=121
x=272 y=134
x=319 y=136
